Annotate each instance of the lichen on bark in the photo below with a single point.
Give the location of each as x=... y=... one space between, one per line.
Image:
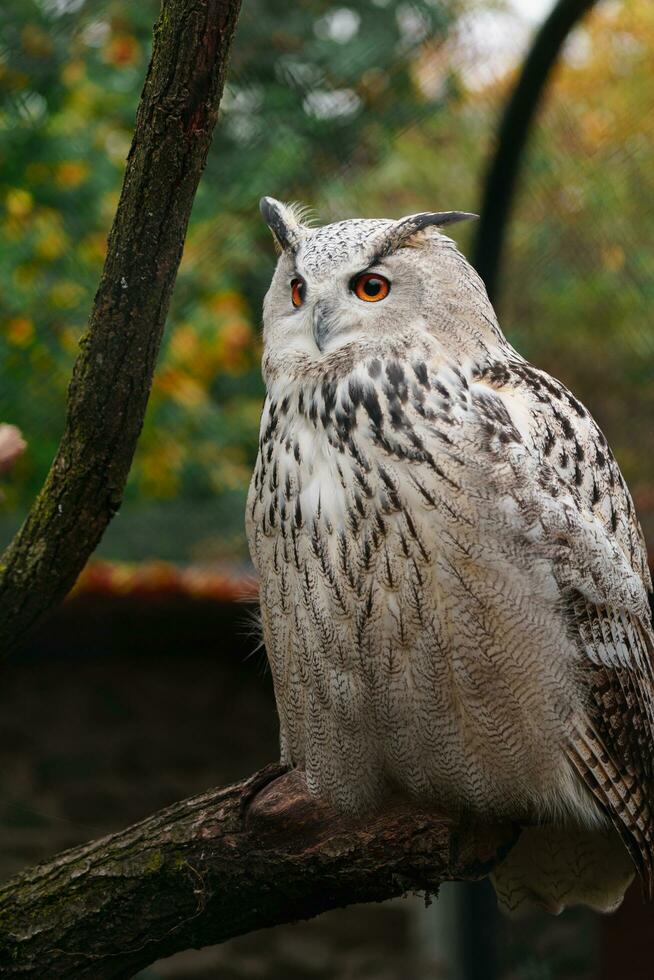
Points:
x=227 y=862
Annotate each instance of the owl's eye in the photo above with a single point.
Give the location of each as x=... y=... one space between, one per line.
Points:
x=371 y=287
x=298 y=289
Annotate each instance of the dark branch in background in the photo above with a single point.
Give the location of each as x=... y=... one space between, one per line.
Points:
x=229 y=861
x=113 y=373
x=220 y=865
x=501 y=179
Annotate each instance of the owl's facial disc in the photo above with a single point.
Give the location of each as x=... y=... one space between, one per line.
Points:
x=350 y=304
x=352 y=282
x=367 y=287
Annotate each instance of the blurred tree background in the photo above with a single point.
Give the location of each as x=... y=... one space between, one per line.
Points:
x=377 y=107
x=360 y=107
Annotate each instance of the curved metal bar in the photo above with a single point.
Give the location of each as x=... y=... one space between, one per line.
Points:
x=501 y=177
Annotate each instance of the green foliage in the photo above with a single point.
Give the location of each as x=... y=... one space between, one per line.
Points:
x=579 y=280
x=361 y=109
x=312 y=89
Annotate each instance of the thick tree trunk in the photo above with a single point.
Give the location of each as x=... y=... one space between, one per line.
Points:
x=113 y=373
x=255 y=854
x=229 y=861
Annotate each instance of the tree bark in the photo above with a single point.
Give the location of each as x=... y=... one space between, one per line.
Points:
x=232 y=860
x=113 y=373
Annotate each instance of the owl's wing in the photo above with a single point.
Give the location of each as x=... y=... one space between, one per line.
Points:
x=613 y=750
x=567 y=474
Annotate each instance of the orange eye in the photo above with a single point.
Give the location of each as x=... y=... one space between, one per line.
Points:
x=298 y=289
x=371 y=287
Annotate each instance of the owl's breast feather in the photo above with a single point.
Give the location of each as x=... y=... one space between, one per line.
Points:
x=401 y=602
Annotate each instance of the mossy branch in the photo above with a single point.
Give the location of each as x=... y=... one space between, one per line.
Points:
x=235 y=859
x=113 y=372
x=222 y=864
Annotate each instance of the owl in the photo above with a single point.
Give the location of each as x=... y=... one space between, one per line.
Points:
x=453 y=581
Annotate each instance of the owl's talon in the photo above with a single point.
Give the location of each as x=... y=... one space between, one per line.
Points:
x=453 y=579
x=258 y=783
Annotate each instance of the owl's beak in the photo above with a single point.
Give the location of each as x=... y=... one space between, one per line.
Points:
x=320 y=326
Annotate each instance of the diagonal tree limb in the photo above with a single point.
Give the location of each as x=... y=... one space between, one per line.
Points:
x=501 y=180
x=220 y=865
x=113 y=373
x=235 y=859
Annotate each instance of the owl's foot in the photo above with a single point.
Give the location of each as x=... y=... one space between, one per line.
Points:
x=269 y=774
x=283 y=804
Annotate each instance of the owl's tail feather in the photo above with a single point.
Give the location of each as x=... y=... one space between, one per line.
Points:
x=556 y=867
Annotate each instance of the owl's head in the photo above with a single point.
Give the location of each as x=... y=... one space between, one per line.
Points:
x=367 y=286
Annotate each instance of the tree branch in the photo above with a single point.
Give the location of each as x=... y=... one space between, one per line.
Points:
x=113 y=373
x=501 y=180
x=232 y=860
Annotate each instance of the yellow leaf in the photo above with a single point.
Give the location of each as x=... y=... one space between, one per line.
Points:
x=18 y=202
x=69 y=340
x=122 y=49
x=19 y=331
x=184 y=343
x=613 y=257
x=73 y=73
x=66 y=294
x=51 y=244
x=71 y=173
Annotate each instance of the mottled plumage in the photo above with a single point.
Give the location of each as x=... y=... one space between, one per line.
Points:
x=453 y=579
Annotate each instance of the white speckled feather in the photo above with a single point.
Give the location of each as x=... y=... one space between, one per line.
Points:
x=453 y=580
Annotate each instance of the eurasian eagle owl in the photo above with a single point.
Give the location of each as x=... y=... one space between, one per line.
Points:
x=453 y=579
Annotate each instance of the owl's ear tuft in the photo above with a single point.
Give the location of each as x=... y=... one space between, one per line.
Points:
x=283 y=222
x=403 y=230
x=438 y=218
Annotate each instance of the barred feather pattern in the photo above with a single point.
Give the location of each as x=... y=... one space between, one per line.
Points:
x=453 y=582
x=612 y=748
x=613 y=752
